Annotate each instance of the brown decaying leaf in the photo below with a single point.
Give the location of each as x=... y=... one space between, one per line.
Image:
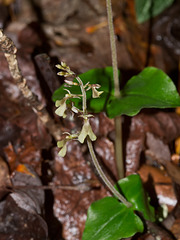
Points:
x=70 y=207
x=176 y=229
x=105 y=150
x=173 y=171
x=153 y=40
x=24 y=225
x=159 y=186
x=25 y=205
x=164 y=126
x=5 y=182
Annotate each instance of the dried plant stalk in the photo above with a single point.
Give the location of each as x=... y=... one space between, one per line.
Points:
x=10 y=50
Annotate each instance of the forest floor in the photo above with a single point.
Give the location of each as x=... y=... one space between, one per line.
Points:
x=45 y=196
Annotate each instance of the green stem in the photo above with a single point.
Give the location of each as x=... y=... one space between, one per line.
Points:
x=118 y=124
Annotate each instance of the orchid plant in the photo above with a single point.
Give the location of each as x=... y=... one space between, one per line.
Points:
x=66 y=104
x=109 y=218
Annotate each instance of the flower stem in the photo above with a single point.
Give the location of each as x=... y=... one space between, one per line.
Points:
x=113 y=49
x=118 y=124
x=84 y=106
x=93 y=155
x=103 y=176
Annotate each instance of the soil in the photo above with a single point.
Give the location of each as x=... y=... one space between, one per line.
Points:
x=76 y=32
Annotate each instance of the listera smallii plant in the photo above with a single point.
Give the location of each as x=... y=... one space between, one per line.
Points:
x=65 y=104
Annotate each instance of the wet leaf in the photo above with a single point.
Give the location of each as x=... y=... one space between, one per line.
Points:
x=19 y=223
x=110 y=219
x=25 y=205
x=175 y=228
x=174 y=171
x=133 y=190
x=160 y=187
x=103 y=77
x=151 y=88
x=29 y=185
x=165 y=126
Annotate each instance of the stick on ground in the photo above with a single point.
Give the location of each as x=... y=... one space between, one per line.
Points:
x=10 y=50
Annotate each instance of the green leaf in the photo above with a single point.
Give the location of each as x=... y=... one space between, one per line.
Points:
x=133 y=190
x=109 y=219
x=152 y=88
x=146 y=9
x=104 y=77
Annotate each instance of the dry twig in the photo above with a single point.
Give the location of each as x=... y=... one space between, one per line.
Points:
x=10 y=50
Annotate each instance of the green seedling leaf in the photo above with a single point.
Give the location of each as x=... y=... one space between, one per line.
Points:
x=109 y=219
x=104 y=77
x=152 y=88
x=133 y=190
x=146 y=9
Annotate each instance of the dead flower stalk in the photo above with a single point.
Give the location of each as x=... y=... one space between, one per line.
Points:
x=9 y=49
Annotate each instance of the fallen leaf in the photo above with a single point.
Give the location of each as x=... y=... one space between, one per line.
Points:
x=159 y=186
x=176 y=229
x=5 y=182
x=23 y=169
x=161 y=126
x=174 y=171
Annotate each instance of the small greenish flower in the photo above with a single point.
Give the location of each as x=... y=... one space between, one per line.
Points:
x=86 y=131
x=63 y=143
x=75 y=109
x=62 y=107
x=62 y=104
x=95 y=92
x=66 y=70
